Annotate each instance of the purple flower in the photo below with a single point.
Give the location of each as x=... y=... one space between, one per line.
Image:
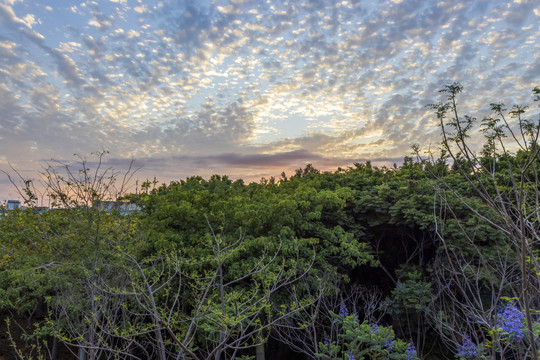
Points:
x=411 y=353
x=389 y=344
x=467 y=349
x=511 y=323
x=327 y=340
x=350 y=356
x=374 y=329
x=343 y=311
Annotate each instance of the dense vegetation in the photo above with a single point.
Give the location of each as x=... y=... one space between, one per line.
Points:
x=434 y=259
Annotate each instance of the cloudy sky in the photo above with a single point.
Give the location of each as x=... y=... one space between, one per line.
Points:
x=249 y=88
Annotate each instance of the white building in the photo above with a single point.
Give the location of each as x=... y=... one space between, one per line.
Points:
x=13 y=204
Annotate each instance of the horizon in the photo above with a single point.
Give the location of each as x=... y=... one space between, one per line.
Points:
x=247 y=88
x=134 y=185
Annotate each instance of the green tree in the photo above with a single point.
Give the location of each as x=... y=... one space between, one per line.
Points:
x=499 y=187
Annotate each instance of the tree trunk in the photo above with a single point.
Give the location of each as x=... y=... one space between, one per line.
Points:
x=260 y=352
x=82 y=353
x=54 y=350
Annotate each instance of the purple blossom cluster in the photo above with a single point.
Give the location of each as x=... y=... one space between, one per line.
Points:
x=411 y=353
x=512 y=322
x=374 y=329
x=350 y=356
x=467 y=349
x=343 y=311
x=327 y=340
x=389 y=344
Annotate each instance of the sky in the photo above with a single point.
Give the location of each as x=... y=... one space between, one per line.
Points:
x=249 y=88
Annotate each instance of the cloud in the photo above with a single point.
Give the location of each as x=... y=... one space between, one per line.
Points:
x=65 y=65
x=99 y=20
x=8 y=15
x=141 y=9
x=283 y=159
x=193 y=85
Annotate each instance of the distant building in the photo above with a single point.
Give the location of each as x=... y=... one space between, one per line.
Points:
x=13 y=204
x=123 y=207
x=40 y=209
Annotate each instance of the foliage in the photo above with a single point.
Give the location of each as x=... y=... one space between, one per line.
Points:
x=363 y=341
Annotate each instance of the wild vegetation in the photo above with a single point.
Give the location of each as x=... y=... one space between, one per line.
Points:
x=434 y=259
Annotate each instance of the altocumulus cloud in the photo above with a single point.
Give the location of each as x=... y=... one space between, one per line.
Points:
x=247 y=87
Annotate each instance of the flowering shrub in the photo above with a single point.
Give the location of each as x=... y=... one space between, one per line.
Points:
x=511 y=323
x=505 y=338
x=411 y=352
x=363 y=341
x=467 y=350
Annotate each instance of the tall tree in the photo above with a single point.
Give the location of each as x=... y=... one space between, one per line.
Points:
x=503 y=175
